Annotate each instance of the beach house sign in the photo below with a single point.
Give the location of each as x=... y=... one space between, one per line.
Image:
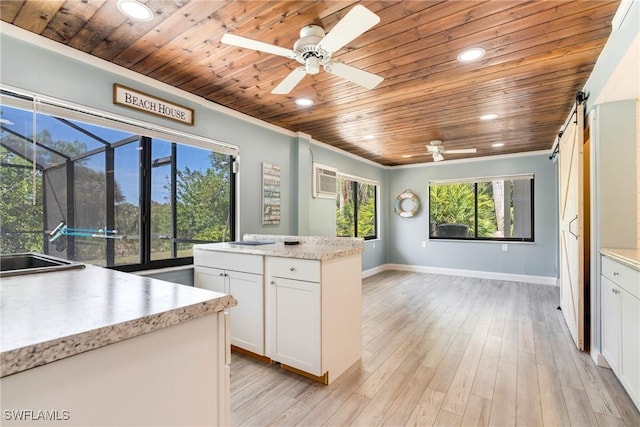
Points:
x=132 y=98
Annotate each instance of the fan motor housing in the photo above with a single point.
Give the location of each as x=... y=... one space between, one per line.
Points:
x=310 y=36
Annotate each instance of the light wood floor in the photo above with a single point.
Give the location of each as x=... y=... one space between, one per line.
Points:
x=444 y=350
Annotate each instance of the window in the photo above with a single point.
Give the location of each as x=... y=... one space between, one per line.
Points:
x=356 y=208
x=85 y=191
x=494 y=208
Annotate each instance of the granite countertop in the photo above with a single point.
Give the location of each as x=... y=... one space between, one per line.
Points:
x=628 y=257
x=313 y=248
x=50 y=316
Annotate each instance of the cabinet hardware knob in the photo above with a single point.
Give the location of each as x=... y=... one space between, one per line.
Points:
x=221 y=274
x=292 y=269
x=273 y=282
x=615 y=273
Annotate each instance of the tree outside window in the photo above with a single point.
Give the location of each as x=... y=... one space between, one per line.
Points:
x=356 y=214
x=499 y=208
x=155 y=198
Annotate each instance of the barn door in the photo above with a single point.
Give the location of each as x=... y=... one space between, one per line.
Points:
x=571 y=176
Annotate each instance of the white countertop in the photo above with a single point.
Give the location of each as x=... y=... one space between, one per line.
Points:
x=50 y=316
x=321 y=251
x=628 y=257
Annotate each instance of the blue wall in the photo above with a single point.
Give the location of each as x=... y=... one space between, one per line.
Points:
x=536 y=259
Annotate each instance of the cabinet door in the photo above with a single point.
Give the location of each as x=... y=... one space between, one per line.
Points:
x=611 y=323
x=209 y=278
x=247 y=318
x=296 y=319
x=630 y=344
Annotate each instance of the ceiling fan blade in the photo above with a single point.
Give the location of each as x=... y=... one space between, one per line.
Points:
x=358 y=20
x=437 y=157
x=246 y=43
x=461 y=151
x=433 y=148
x=355 y=75
x=289 y=82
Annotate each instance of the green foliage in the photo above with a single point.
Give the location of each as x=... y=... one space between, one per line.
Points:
x=455 y=204
x=202 y=204
x=363 y=195
x=20 y=219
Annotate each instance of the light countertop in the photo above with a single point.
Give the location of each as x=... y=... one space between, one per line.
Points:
x=313 y=248
x=628 y=257
x=50 y=316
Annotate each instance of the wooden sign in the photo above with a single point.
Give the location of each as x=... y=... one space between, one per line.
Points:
x=132 y=98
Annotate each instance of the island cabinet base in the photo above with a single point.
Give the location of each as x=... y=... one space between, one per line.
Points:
x=177 y=375
x=314 y=322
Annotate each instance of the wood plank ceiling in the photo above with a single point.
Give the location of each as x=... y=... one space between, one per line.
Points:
x=539 y=54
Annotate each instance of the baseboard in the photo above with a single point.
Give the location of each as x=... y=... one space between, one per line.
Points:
x=541 y=280
x=374 y=270
x=600 y=360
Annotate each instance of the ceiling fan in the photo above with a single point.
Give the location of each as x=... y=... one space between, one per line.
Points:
x=315 y=49
x=437 y=150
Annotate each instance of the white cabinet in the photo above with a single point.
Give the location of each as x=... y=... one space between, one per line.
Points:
x=178 y=375
x=611 y=323
x=295 y=314
x=621 y=324
x=314 y=314
x=300 y=307
x=241 y=276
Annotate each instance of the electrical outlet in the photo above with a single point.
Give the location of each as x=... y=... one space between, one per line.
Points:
x=374 y=245
x=505 y=247
x=424 y=244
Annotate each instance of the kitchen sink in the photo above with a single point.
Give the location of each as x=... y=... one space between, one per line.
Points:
x=29 y=263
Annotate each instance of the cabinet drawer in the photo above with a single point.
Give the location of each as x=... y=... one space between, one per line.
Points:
x=228 y=261
x=625 y=277
x=296 y=269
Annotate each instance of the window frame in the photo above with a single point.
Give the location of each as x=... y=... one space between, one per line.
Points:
x=475 y=181
x=355 y=180
x=144 y=131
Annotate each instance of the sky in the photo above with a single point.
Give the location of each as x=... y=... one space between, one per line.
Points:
x=126 y=157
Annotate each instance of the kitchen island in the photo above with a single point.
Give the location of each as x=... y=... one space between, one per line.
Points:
x=101 y=347
x=298 y=304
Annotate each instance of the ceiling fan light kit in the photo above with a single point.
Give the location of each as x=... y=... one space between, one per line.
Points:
x=315 y=48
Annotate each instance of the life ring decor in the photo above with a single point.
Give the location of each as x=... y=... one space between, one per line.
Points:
x=401 y=208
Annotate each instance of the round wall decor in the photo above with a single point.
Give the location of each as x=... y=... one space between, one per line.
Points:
x=407 y=204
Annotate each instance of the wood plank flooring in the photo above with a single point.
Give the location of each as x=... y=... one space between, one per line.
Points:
x=446 y=351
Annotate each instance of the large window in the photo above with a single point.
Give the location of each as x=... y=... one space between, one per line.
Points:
x=356 y=209
x=85 y=191
x=494 y=208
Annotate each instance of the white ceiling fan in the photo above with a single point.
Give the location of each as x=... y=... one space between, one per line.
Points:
x=315 y=49
x=437 y=150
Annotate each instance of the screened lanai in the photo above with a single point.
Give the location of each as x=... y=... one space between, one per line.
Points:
x=104 y=196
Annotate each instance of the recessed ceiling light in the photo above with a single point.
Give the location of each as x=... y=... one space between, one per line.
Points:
x=369 y=136
x=498 y=144
x=135 y=10
x=489 y=117
x=471 y=54
x=304 y=102
x=407 y=156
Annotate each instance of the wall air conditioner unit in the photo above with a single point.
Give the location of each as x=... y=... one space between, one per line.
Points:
x=325 y=182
